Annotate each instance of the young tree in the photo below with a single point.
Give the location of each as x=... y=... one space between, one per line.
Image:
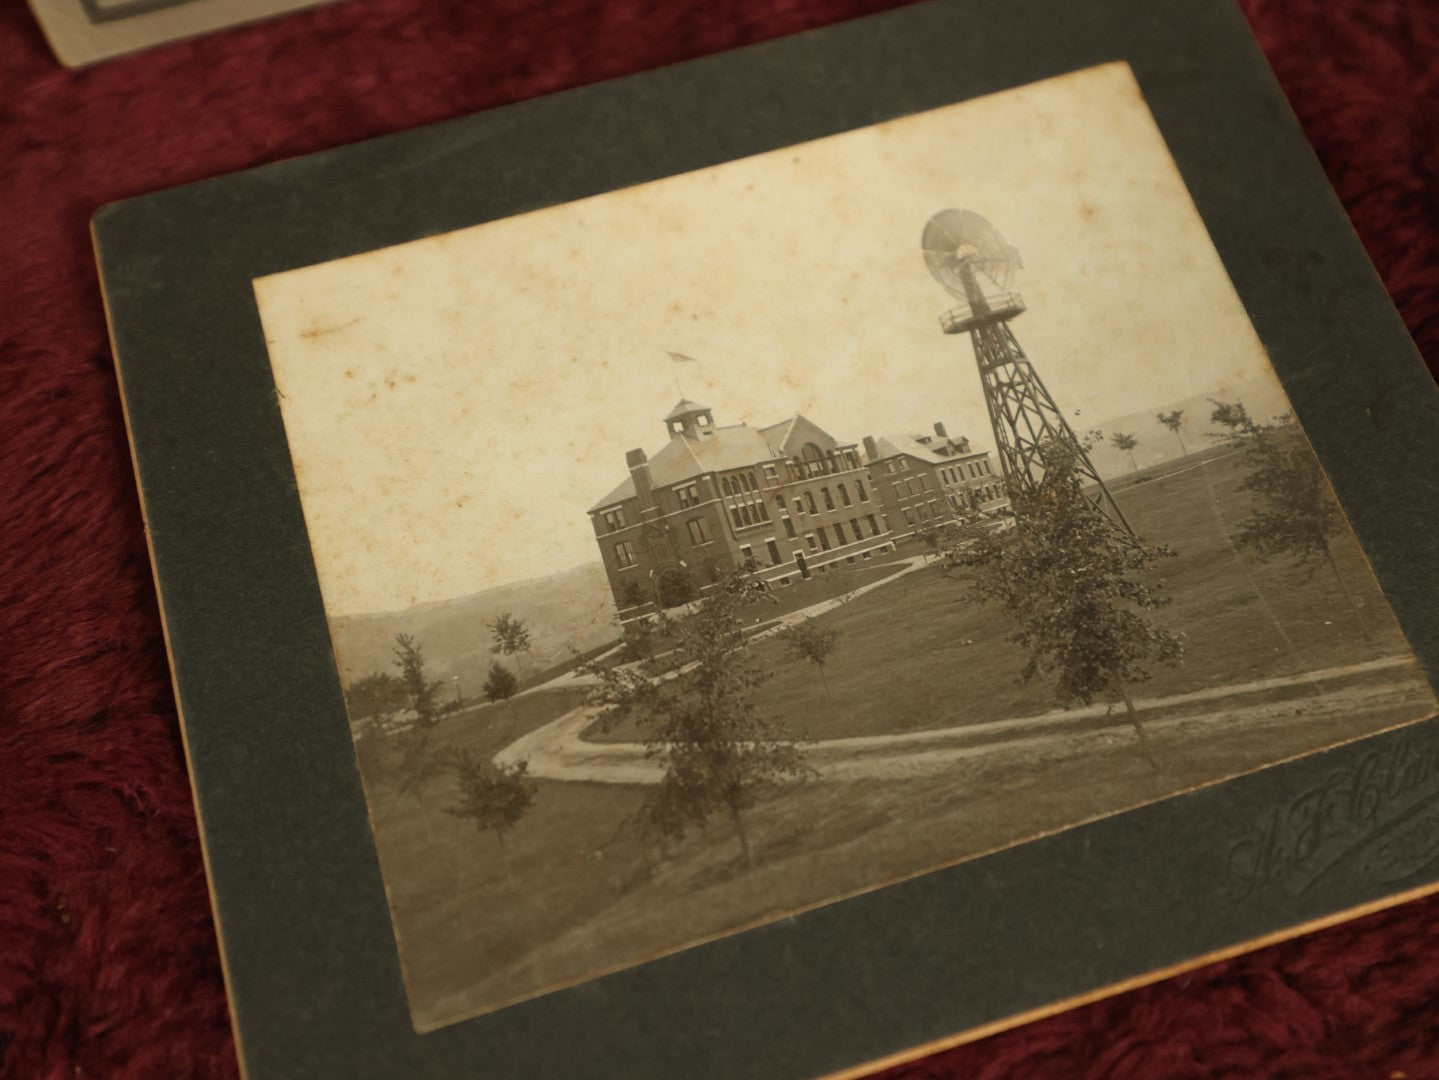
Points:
x=496 y=797
x=1070 y=581
x=419 y=762
x=510 y=636
x=1174 y=421
x=717 y=748
x=501 y=685
x=1127 y=443
x=810 y=641
x=1296 y=515
x=421 y=691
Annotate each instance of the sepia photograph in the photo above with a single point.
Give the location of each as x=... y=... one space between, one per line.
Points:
x=711 y=550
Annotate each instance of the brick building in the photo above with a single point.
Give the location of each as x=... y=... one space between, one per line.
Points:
x=925 y=480
x=790 y=496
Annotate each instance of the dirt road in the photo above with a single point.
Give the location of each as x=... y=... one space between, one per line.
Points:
x=558 y=752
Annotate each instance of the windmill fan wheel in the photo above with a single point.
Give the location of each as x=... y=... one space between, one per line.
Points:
x=955 y=239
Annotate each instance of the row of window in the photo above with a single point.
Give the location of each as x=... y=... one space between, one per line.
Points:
x=816 y=462
x=921 y=512
x=747 y=514
x=954 y=474
x=915 y=485
x=738 y=485
x=819 y=539
x=807 y=504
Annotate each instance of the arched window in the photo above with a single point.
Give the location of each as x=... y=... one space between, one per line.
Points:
x=809 y=502
x=844 y=495
x=813 y=459
x=828 y=499
x=859 y=486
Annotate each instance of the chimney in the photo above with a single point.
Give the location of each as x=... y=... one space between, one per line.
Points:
x=640 y=473
x=871 y=449
x=939 y=430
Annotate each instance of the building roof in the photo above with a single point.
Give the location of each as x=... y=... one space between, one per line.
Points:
x=684 y=457
x=778 y=434
x=683 y=407
x=924 y=447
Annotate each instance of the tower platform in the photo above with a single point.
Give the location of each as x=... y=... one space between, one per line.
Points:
x=996 y=308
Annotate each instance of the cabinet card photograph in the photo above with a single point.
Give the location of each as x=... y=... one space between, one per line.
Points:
x=714 y=549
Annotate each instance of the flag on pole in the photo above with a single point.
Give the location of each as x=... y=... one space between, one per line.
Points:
x=679 y=358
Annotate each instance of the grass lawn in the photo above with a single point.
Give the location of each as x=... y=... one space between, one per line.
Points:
x=784 y=599
x=921 y=654
x=495 y=724
x=590 y=894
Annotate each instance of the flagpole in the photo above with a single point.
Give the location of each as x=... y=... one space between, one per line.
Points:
x=675 y=358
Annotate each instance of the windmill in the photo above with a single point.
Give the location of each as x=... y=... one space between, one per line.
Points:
x=971 y=260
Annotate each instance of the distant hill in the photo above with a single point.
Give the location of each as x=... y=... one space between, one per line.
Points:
x=571 y=608
x=1261 y=396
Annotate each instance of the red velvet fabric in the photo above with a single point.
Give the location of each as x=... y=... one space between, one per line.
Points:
x=108 y=963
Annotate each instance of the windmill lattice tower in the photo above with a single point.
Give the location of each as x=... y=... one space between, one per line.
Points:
x=967 y=255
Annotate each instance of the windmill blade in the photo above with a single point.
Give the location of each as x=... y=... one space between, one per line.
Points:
x=953 y=238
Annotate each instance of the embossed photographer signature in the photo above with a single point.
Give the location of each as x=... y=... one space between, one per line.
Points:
x=1380 y=817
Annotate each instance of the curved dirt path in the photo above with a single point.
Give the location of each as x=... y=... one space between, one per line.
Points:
x=557 y=752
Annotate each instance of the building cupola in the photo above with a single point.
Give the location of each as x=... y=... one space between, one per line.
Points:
x=689 y=419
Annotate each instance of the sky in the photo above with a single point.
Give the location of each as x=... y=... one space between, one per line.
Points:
x=454 y=405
